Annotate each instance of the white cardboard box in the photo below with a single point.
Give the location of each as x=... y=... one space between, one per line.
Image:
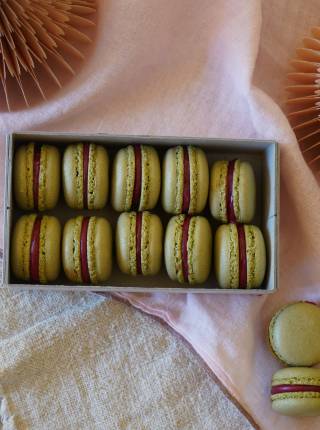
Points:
x=264 y=156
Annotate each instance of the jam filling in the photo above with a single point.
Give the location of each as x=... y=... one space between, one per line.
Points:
x=85 y=275
x=138 y=241
x=137 y=178
x=36 y=174
x=231 y=217
x=86 y=151
x=294 y=388
x=35 y=250
x=242 y=256
x=186 y=181
x=184 y=248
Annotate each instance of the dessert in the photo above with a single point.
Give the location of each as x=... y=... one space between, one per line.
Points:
x=295 y=391
x=239 y=256
x=139 y=243
x=87 y=249
x=232 y=191
x=35 y=249
x=36 y=176
x=188 y=248
x=294 y=334
x=136 y=178
x=85 y=175
x=185 y=180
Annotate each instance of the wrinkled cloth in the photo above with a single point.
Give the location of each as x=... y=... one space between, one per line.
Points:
x=207 y=68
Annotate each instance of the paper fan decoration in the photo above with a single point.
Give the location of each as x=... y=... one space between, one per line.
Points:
x=39 y=36
x=304 y=99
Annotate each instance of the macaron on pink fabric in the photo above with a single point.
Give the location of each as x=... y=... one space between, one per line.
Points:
x=206 y=68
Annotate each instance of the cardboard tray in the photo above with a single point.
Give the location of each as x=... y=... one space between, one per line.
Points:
x=264 y=156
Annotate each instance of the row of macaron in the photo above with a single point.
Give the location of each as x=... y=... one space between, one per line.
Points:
x=135 y=180
x=239 y=250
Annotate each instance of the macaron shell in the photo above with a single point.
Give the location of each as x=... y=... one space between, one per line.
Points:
x=71 y=249
x=246 y=194
x=172 y=248
x=226 y=256
x=72 y=176
x=172 y=180
x=199 y=179
x=126 y=243
x=49 y=177
x=218 y=190
x=23 y=176
x=50 y=240
x=20 y=247
x=151 y=244
x=294 y=334
x=199 y=250
x=123 y=179
x=296 y=403
x=256 y=256
x=99 y=249
x=151 y=178
x=98 y=177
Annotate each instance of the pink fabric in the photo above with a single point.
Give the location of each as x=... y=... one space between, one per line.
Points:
x=187 y=67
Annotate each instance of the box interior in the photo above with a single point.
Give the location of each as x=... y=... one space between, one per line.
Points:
x=262 y=155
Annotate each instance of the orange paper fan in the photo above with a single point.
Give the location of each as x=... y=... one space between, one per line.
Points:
x=39 y=36
x=304 y=99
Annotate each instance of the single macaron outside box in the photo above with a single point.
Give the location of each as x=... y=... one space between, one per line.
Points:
x=136 y=178
x=139 y=243
x=188 y=249
x=185 y=180
x=35 y=249
x=85 y=175
x=239 y=256
x=294 y=334
x=87 y=249
x=36 y=176
x=295 y=391
x=232 y=191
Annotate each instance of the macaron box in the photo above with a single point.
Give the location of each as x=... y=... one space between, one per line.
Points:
x=141 y=214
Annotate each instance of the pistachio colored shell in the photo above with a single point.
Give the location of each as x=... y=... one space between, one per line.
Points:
x=172 y=179
x=245 y=189
x=200 y=254
x=99 y=249
x=294 y=334
x=297 y=403
x=49 y=184
x=152 y=233
x=98 y=176
x=123 y=176
x=20 y=247
x=226 y=256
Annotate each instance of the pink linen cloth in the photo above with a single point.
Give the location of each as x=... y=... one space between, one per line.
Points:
x=199 y=68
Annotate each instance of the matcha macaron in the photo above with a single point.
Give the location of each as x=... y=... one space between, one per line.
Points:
x=295 y=391
x=232 y=191
x=188 y=248
x=85 y=175
x=35 y=249
x=36 y=176
x=139 y=243
x=239 y=256
x=185 y=180
x=136 y=178
x=294 y=334
x=87 y=249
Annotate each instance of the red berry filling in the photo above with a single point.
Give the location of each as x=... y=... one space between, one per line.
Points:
x=138 y=241
x=35 y=250
x=85 y=165
x=36 y=174
x=137 y=178
x=84 y=250
x=242 y=256
x=184 y=246
x=294 y=388
x=186 y=181
x=231 y=217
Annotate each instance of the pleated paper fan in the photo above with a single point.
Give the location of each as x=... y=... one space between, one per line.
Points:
x=39 y=37
x=304 y=99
